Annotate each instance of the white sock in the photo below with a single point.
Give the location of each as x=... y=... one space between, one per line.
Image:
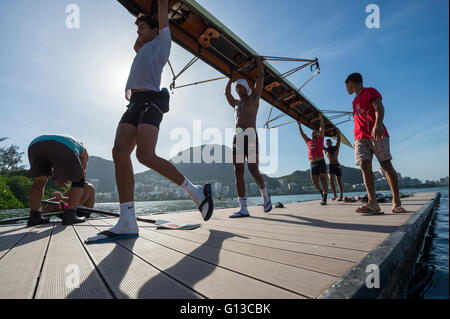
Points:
x=195 y=192
x=127 y=221
x=264 y=194
x=243 y=203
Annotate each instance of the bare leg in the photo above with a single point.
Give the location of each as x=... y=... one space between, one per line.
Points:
x=341 y=189
x=392 y=178
x=88 y=197
x=147 y=137
x=315 y=180
x=331 y=177
x=323 y=178
x=254 y=170
x=74 y=199
x=369 y=182
x=239 y=169
x=123 y=147
x=37 y=192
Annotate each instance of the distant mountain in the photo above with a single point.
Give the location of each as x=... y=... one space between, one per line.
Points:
x=202 y=172
x=103 y=170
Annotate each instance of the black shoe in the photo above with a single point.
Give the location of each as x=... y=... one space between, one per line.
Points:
x=37 y=219
x=83 y=214
x=70 y=217
x=324 y=200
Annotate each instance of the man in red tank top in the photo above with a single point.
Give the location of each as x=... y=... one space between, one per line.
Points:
x=316 y=157
x=371 y=137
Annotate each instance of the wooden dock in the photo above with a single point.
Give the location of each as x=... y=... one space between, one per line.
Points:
x=301 y=251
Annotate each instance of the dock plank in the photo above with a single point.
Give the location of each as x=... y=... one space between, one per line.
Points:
x=20 y=268
x=302 y=281
x=10 y=236
x=327 y=265
x=68 y=273
x=296 y=252
x=129 y=276
x=205 y=277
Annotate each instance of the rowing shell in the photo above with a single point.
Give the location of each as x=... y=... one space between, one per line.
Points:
x=200 y=33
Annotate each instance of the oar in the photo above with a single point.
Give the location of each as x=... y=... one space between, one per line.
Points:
x=160 y=223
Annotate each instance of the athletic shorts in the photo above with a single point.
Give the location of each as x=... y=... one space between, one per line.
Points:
x=319 y=167
x=146 y=108
x=45 y=155
x=365 y=148
x=335 y=169
x=245 y=146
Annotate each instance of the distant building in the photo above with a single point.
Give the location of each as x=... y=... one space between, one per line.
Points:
x=293 y=187
x=217 y=187
x=381 y=183
x=226 y=190
x=358 y=187
x=138 y=186
x=308 y=188
x=253 y=188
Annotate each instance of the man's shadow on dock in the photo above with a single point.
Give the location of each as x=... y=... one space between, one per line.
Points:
x=194 y=266
x=313 y=222
x=113 y=269
x=10 y=241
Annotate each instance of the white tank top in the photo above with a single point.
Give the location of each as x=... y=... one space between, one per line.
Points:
x=148 y=64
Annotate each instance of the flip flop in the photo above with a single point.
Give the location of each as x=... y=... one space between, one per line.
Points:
x=239 y=215
x=402 y=212
x=207 y=190
x=110 y=237
x=268 y=206
x=368 y=210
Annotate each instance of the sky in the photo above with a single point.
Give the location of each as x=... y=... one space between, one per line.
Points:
x=71 y=81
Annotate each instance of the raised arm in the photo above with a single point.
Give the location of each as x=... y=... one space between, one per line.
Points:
x=260 y=81
x=322 y=126
x=301 y=131
x=163 y=14
x=338 y=144
x=231 y=100
x=378 y=129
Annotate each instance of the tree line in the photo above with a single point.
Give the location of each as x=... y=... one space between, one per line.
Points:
x=14 y=184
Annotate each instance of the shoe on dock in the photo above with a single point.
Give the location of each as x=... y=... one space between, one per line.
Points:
x=70 y=217
x=37 y=219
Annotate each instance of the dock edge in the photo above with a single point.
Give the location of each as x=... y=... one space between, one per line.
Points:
x=395 y=258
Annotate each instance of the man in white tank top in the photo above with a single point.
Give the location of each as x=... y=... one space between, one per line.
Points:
x=139 y=126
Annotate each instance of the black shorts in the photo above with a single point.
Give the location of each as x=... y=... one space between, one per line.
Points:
x=250 y=147
x=319 y=167
x=45 y=155
x=335 y=169
x=146 y=108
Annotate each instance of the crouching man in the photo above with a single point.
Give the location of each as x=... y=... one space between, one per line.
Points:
x=64 y=159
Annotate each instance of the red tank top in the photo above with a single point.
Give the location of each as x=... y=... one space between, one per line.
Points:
x=315 y=148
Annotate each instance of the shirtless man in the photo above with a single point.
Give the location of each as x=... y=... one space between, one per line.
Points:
x=245 y=142
x=334 y=168
x=371 y=137
x=139 y=126
x=315 y=155
x=87 y=200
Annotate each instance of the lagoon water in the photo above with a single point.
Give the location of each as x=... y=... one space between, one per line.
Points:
x=431 y=276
